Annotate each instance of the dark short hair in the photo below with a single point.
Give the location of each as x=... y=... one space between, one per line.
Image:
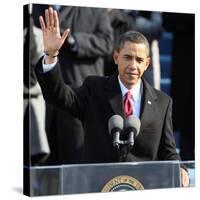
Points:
x=132 y=36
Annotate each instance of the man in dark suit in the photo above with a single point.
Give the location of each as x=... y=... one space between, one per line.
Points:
x=99 y=98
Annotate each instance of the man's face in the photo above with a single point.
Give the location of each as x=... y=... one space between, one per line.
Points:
x=132 y=61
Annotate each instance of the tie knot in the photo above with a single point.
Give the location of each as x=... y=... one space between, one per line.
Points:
x=128 y=94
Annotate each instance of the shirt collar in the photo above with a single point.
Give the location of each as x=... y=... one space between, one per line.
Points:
x=136 y=90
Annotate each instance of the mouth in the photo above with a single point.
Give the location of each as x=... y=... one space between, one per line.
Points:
x=132 y=74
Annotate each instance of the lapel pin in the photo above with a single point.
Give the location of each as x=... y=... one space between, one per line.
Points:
x=149 y=102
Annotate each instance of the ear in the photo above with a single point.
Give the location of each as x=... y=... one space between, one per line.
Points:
x=148 y=61
x=115 y=56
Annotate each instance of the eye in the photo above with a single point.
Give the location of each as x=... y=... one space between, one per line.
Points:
x=127 y=57
x=140 y=60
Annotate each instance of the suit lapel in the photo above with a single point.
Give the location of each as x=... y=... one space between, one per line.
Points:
x=149 y=97
x=114 y=95
x=148 y=105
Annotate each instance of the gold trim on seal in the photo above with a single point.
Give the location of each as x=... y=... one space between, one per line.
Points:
x=122 y=183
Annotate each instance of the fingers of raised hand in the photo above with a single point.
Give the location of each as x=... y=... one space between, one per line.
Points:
x=51 y=19
x=47 y=18
x=51 y=30
x=42 y=24
x=56 y=21
x=65 y=34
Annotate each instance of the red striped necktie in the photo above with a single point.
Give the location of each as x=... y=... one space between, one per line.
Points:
x=127 y=104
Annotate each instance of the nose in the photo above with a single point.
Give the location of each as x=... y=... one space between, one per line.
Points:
x=133 y=64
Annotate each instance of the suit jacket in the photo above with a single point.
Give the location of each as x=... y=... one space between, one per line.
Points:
x=97 y=100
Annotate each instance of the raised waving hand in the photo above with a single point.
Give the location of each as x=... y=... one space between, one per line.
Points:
x=52 y=39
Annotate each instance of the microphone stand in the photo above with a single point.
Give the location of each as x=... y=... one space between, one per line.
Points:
x=123 y=153
x=124 y=148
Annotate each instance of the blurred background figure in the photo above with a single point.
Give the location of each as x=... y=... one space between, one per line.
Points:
x=90 y=40
x=36 y=148
x=182 y=27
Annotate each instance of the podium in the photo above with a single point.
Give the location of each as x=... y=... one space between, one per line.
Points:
x=104 y=177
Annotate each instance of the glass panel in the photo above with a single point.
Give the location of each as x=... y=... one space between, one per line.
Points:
x=71 y=179
x=92 y=178
x=45 y=181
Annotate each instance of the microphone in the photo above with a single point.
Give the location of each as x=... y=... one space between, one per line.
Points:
x=115 y=126
x=132 y=127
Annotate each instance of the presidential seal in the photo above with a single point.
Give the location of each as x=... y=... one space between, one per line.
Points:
x=122 y=183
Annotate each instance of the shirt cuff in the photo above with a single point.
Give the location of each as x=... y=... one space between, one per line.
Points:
x=47 y=67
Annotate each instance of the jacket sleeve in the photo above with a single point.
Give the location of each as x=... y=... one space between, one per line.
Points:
x=98 y=43
x=167 y=148
x=60 y=95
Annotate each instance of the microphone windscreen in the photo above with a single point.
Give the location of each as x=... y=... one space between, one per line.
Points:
x=115 y=122
x=134 y=123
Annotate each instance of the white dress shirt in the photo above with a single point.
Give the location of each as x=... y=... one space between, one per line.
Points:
x=136 y=95
x=47 y=67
